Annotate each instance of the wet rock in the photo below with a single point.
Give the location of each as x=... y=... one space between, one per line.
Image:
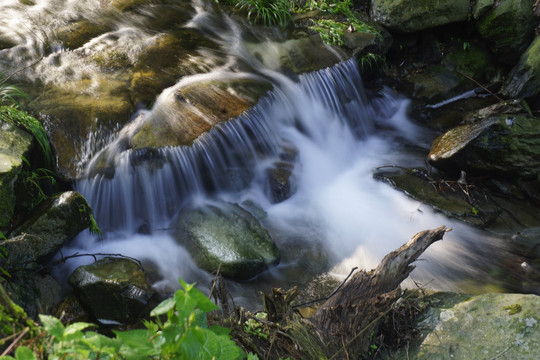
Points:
x=70 y=310
x=298 y=55
x=73 y=112
x=281 y=182
x=504 y=205
x=481 y=327
x=524 y=79
x=227 y=237
x=502 y=142
x=53 y=223
x=169 y=58
x=79 y=33
x=508 y=27
x=196 y=109
x=436 y=83
x=481 y=7
x=114 y=290
x=14 y=144
x=35 y=293
x=411 y=16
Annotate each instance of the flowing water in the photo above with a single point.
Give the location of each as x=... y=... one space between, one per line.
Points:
x=324 y=122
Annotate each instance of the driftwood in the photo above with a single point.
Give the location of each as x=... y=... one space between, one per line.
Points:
x=343 y=326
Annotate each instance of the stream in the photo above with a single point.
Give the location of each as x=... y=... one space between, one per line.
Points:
x=331 y=130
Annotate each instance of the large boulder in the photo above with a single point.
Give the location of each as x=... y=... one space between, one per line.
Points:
x=524 y=79
x=487 y=326
x=411 y=15
x=224 y=236
x=114 y=290
x=195 y=109
x=14 y=144
x=496 y=139
x=53 y=223
x=508 y=27
x=35 y=293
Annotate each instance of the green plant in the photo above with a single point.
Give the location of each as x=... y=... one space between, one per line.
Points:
x=369 y=60
x=254 y=327
x=11 y=115
x=92 y=223
x=266 y=12
x=9 y=93
x=32 y=181
x=180 y=331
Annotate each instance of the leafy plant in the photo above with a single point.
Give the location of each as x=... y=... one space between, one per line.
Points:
x=180 y=331
x=11 y=115
x=9 y=93
x=32 y=181
x=266 y=12
x=92 y=226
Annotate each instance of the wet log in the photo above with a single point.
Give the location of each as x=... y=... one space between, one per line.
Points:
x=343 y=326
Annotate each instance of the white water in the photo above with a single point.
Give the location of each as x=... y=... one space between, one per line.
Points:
x=341 y=135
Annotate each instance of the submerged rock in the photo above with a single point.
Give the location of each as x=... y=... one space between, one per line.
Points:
x=411 y=15
x=488 y=326
x=508 y=27
x=227 y=237
x=494 y=140
x=114 y=290
x=14 y=144
x=524 y=79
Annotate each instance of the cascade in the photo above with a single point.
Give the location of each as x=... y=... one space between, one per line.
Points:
x=335 y=133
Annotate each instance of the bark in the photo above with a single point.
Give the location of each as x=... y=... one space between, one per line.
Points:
x=343 y=326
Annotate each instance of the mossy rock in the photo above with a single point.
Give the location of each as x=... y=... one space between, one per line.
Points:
x=414 y=15
x=35 y=293
x=72 y=112
x=114 y=290
x=52 y=224
x=196 y=109
x=436 y=83
x=224 y=236
x=481 y=327
x=471 y=59
x=14 y=144
x=79 y=33
x=505 y=143
x=160 y=65
x=508 y=28
x=524 y=79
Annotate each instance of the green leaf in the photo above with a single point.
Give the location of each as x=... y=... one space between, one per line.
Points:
x=24 y=353
x=163 y=307
x=185 y=304
x=203 y=302
x=252 y=356
x=76 y=328
x=136 y=344
x=52 y=325
x=216 y=346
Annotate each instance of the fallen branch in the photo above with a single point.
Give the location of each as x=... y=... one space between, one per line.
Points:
x=94 y=255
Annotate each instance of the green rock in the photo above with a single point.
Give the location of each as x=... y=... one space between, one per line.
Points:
x=436 y=83
x=114 y=290
x=79 y=33
x=35 y=293
x=493 y=141
x=481 y=7
x=414 y=15
x=483 y=327
x=508 y=28
x=524 y=79
x=14 y=144
x=227 y=237
x=75 y=111
x=53 y=223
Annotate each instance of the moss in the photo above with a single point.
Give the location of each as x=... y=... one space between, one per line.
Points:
x=79 y=33
x=112 y=60
x=513 y=309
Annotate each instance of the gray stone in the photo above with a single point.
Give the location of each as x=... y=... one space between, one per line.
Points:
x=412 y=15
x=227 y=237
x=114 y=290
x=481 y=7
x=487 y=326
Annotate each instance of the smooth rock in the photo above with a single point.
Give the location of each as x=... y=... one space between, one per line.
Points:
x=524 y=79
x=227 y=237
x=411 y=15
x=114 y=290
